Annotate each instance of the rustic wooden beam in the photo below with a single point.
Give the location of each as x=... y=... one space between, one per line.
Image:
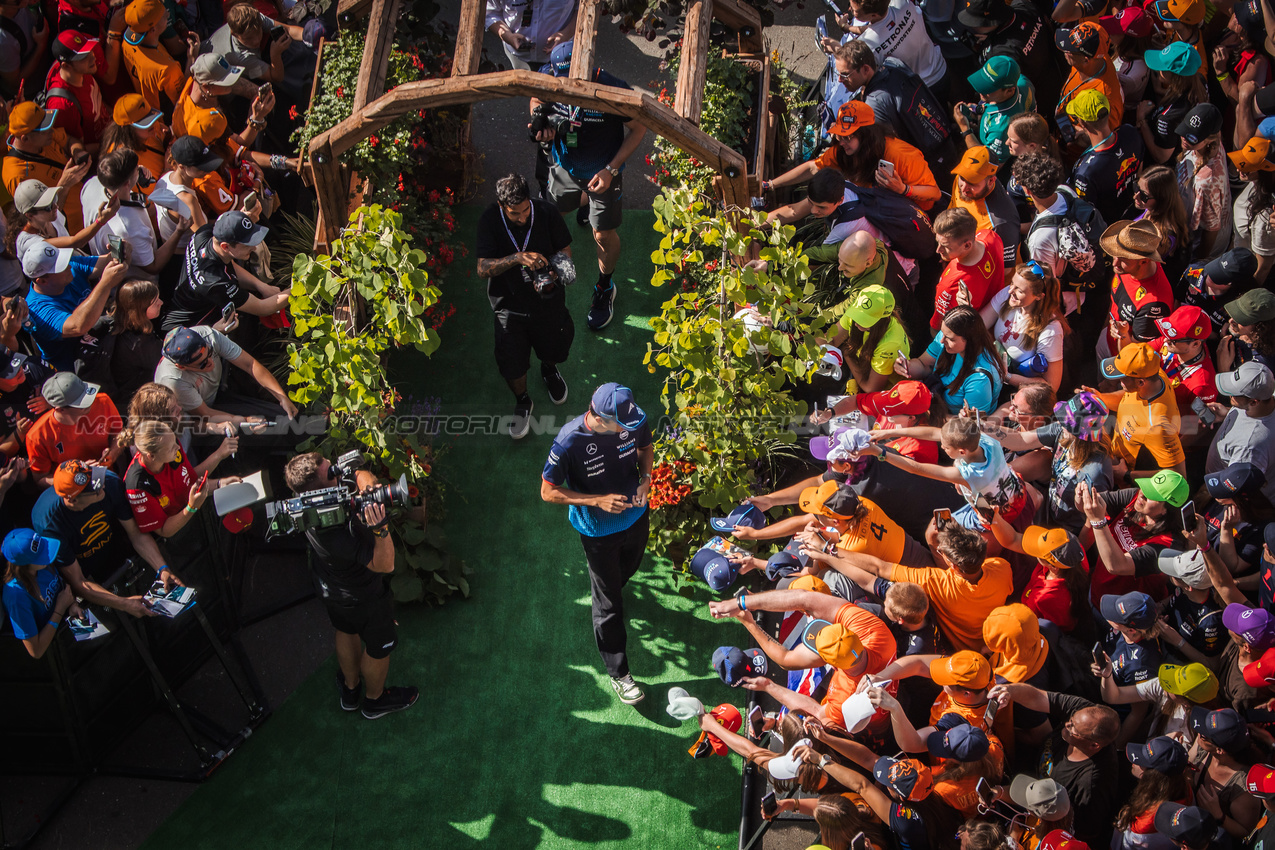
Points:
x=586 y=40
x=332 y=191
x=744 y=19
x=469 y=38
x=376 y=52
x=430 y=94
x=350 y=10
x=693 y=70
x=762 y=119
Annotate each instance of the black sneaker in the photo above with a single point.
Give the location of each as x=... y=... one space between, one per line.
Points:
x=522 y=419
x=582 y=216
x=390 y=701
x=350 y=697
x=556 y=384
x=603 y=309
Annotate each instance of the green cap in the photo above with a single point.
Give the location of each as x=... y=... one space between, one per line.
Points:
x=867 y=307
x=1256 y=305
x=1000 y=72
x=1165 y=486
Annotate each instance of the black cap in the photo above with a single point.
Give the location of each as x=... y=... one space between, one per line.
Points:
x=1202 y=121
x=1189 y=824
x=985 y=13
x=11 y=363
x=191 y=152
x=237 y=229
x=1233 y=266
x=1265 y=100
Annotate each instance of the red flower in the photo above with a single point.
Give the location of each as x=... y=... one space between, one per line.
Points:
x=292 y=112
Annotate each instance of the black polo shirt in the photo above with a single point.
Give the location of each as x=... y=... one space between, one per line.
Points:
x=204 y=288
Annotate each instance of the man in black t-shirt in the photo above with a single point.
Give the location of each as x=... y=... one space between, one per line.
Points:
x=1076 y=753
x=351 y=565
x=20 y=400
x=1016 y=30
x=213 y=277
x=1106 y=174
x=1213 y=284
x=524 y=252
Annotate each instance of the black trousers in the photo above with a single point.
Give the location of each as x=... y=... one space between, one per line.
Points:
x=613 y=560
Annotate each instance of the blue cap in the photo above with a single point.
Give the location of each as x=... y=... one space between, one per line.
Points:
x=1267 y=128
x=1233 y=480
x=22 y=547
x=745 y=515
x=962 y=742
x=1161 y=754
x=615 y=402
x=560 y=58
x=785 y=563
x=184 y=346
x=711 y=567
x=1135 y=610
x=1222 y=728
x=734 y=664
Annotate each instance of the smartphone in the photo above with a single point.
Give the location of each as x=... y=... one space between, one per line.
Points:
x=265 y=89
x=116 y=245
x=984 y=790
x=1188 y=516
x=989 y=716
x=941 y=516
x=821 y=29
x=228 y=312
x=886 y=166
x=1202 y=410
x=276 y=32
x=203 y=481
x=1099 y=657
x=769 y=805
x=250 y=200
x=82 y=157
x=965 y=290
x=860 y=842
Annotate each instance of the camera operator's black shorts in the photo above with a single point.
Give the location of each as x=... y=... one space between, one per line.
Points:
x=373 y=621
x=550 y=335
x=605 y=209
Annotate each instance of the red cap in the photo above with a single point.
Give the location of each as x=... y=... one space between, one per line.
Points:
x=1185 y=323
x=1260 y=781
x=1060 y=839
x=1257 y=672
x=1131 y=21
x=906 y=397
x=237 y=520
x=75 y=43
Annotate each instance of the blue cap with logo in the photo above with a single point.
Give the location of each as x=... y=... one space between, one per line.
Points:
x=560 y=59
x=954 y=738
x=22 y=547
x=734 y=664
x=615 y=402
x=714 y=569
x=745 y=515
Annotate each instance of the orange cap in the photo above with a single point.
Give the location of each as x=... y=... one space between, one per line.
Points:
x=132 y=109
x=810 y=583
x=1135 y=360
x=28 y=117
x=207 y=125
x=143 y=15
x=965 y=669
x=73 y=477
x=975 y=165
x=852 y=115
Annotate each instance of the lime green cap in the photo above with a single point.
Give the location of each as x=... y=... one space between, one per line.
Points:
x=867 y=307
x=1165 y=486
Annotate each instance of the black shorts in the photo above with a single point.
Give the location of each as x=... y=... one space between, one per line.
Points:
x=549 y=335
x=373 y=621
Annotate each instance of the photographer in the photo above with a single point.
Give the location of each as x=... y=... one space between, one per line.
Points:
x=524 y=251
x=352 y=563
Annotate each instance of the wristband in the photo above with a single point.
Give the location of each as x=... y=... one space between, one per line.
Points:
x=765 y=185
x=278 y=162
x=380 y=532
x=1206 y=546
x=743 y=606
x=1221 y=78
x=1102 y=523
x=255 y=124
x=58 y=621
x=192 y=511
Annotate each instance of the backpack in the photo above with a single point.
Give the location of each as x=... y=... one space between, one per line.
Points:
x=42 y=98
x=1079 y=229
x=904 y=225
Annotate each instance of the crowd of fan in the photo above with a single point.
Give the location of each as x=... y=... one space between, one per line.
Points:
x=148 y=141
x=1031 y=600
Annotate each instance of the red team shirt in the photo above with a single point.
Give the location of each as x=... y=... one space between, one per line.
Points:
x=154 y=497
x=1189 y=380
x=983 y=281
x=1140 y=300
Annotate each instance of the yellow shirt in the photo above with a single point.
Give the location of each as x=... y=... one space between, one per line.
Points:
x=876 y=534
x=1152 y=424
x=153 y=72
x=959 y=606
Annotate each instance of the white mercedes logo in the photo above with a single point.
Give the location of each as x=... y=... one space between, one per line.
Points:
x=592 y=448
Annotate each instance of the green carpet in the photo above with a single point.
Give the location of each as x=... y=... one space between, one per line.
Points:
x=517 y=741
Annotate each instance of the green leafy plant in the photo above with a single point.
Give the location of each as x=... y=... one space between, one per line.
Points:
x=731 y=416
x=350 y=309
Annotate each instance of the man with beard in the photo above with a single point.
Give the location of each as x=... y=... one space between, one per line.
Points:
x=996 y=28
x=976 y=189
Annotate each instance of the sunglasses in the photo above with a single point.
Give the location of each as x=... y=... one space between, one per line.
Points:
x=1036 y=269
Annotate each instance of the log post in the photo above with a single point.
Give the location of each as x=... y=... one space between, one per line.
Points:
x=693 y=70
x=586 y=40
x=469 y=38
x=332 y=193
x=376 y=52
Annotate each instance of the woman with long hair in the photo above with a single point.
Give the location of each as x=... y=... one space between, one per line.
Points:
x=840 y=819
x=1028 y=133
x=164 y=488
x=140 y=129
x=873 y=333
x=1173 y=93
x=1026 y=321
x=1254 y=227
x=961 y=362
x=1159 y=765
x=1249 y=333
x=137 y=349
x=36 y=598
x=1160 y=201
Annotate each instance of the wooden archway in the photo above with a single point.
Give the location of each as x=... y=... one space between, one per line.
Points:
x=374 y=108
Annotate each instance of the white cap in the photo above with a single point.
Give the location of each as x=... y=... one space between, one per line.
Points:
x=40 y=258
x=857 y=710
x=785 y=767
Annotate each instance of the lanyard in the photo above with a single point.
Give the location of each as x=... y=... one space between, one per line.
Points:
x=530 y=224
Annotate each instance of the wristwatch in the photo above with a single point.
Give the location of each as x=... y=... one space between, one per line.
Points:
x=615 y=172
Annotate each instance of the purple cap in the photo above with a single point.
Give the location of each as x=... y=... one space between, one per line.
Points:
x=1083 y=415
x=1253 y=625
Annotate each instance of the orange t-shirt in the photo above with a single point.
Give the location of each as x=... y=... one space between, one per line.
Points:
x=983 y=280
x=50 y=443
x=879 y=648
x=962 y=794
x=1108 y=83
x=961 y=607
x=909 y=164
x=16 y=169
x=214 y=193
x=153 y=71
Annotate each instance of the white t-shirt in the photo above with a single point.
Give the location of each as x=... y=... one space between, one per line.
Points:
x=26 y=237
x=1133 y=75
x=1253 y=226
x=901 y=34
x=1009 y=330
x=131 y=222
x=1175 y=725
x=167 y=224
x=1042 y=246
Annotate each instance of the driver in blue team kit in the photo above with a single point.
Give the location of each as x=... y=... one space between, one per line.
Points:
x=600 y=465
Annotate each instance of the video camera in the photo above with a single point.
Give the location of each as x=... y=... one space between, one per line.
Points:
x=332 y=506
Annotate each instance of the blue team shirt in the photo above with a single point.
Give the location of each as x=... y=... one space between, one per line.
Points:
x=1133 y=662
x=48 y=313
x=28 y=614
x=92 y=536
x=597 y=464
x=597 y=135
